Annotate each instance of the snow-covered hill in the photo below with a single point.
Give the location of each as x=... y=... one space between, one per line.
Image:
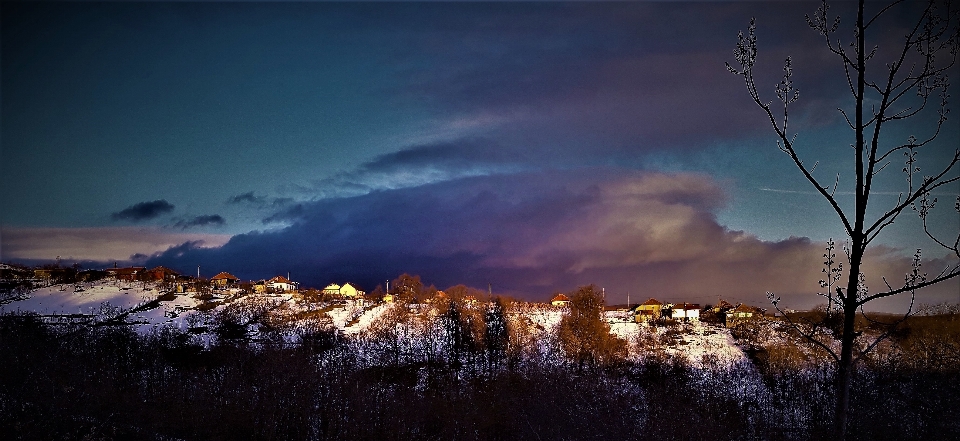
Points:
x=148 y=307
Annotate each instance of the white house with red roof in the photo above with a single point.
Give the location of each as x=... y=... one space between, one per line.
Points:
x=281 y=284
x=685 y=311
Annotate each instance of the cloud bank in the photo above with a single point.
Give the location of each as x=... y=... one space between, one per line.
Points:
x=530 y=234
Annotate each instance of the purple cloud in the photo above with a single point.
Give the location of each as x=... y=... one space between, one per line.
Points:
x=647 y=234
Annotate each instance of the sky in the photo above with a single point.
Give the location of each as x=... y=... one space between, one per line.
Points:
x=526 y=147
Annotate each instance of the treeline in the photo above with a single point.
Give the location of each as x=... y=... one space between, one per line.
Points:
x=460 y=370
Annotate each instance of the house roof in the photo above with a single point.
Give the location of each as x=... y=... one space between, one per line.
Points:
x=332 y=286
x=224 y=276
x=652 y=301
x=560 y=298
x=686 y=306
x=164 y=269
x=352 y=285
x=744 y=308
x=279 y=279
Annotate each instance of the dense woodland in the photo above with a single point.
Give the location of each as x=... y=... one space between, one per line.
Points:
x=469 y=373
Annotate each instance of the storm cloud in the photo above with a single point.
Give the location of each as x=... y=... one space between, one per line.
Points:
x=143 y=211
x=531 y=234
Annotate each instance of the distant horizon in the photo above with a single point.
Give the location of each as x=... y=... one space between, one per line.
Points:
x=536 y=297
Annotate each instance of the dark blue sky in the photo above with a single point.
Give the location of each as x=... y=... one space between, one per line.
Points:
x=534 y=146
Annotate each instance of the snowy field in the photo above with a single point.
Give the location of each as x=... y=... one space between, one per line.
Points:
x=147 y=307
x=84 y=298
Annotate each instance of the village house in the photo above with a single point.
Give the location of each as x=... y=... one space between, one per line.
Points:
x=347 y=290
x=280 y=284
x=331 y=290
x=560 y=300
x=351 y=291
x=742 y=313
x=161 y=273
x=224 y=280
x=648 y=311
x=49 y=276
x=685 y=311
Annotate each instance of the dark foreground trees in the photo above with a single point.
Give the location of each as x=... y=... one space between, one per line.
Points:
x=909 y=84
x=109 y=383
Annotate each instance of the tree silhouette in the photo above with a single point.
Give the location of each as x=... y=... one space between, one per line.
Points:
x=496 y=333
x=915 y=76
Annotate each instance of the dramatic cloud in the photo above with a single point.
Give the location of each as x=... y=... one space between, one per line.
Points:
x=200 y=221
x=105 y=244
x=531 y=234
x=143 y=211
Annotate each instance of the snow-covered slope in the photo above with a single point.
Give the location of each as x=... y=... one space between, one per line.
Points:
x=84 y=298
x=148 y=307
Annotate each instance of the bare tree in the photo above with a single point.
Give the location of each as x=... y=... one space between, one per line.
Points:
x=912 y=79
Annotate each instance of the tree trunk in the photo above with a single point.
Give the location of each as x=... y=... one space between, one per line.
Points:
x=857 y=242
x=844 y=372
